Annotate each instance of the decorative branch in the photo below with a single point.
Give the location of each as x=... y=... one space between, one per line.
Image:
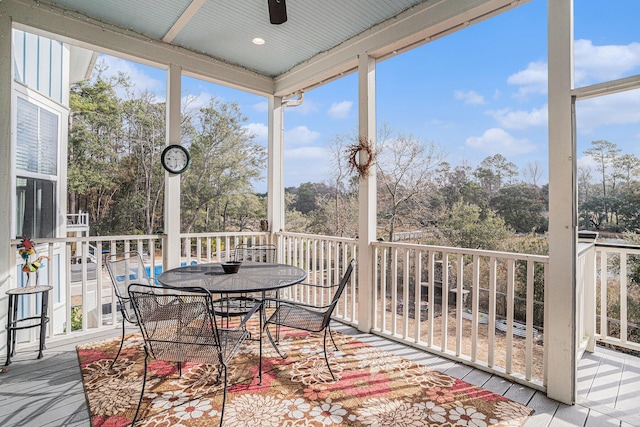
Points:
x=353 y=153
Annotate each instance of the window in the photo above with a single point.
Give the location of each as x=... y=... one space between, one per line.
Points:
x=37 y=146
x=36 y=207
x=37 y=139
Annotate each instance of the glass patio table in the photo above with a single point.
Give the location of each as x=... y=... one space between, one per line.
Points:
x=253 y=277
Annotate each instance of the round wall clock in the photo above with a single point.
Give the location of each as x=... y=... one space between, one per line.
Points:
x=175 y=158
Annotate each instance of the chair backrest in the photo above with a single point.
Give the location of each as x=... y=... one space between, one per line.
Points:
x=336 y=296
x=177 y=325
x=125 y=268
x=258 y=253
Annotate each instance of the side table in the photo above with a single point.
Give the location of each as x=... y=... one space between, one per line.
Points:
x=14 y=324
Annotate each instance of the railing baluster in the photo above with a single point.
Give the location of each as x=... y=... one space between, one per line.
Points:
x=510 y=301
x=432 y=298
x=529 y=308
x=623 y=297
x=604 y=274
x=417 y=263
x=459 y=288
x=491 y=332
x=445 y=302
x=405 y=294
x=475 y=298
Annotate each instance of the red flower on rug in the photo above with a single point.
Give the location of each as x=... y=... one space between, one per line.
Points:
x=92 y=355
x=316 y=392
x=161 y=367
x=440 y=395
x=269 y=365
x=361 y=384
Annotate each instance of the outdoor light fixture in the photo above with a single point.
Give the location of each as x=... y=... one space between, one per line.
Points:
x=258 y=40
x=277 y=11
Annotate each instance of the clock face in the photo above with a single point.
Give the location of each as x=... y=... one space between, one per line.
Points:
x=175 y=158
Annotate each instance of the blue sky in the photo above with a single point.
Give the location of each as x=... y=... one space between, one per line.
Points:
x=475 y=93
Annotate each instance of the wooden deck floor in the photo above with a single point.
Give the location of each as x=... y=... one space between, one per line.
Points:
x=49 y=392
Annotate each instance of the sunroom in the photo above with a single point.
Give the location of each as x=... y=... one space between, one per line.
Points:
x=392 y=279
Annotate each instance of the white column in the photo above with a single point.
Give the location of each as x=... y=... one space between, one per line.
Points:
x=275 y=167
x=367 y=216
x=560 y=298
x=172 y=181
x=6 y=182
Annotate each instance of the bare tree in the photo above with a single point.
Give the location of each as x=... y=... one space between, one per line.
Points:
x=532 y=172
x=406 y=169
x=341 y=217
x=585 y=176
x=604 y=153
x=625 y=167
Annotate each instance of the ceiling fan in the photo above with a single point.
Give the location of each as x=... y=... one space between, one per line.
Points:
x=277 y=11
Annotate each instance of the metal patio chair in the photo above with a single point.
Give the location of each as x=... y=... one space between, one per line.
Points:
x=238 y=305
x=308 y=317
x=125 y=268
x=179 y=325
x=257 y=253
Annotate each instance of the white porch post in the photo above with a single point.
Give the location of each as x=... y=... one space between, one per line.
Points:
x=275 y=167
x=367 y=192
x=560 y=298
x=172 y=182
x=6 y=184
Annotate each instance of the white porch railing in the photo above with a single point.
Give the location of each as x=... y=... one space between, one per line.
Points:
x=81 y=299
x=78 y=221
x=482 y=308
x=325 y=259
x=215 y=247
x=617 y=295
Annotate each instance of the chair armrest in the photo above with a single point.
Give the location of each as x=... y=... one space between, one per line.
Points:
x=313 y=285
x=298 y=304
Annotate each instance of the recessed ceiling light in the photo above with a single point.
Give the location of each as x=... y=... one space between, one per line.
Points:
x=258 y=41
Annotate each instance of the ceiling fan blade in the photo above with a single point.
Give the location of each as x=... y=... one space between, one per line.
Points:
x=277 y=11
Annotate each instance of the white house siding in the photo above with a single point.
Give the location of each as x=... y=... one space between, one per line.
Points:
x=39 y=63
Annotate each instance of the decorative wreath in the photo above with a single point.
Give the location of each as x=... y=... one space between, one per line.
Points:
x=353 y=152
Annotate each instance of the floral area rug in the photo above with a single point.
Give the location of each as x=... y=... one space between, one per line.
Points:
x=373 y=388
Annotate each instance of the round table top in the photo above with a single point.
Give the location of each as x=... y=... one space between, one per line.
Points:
x=252 y=277
x=25 y=290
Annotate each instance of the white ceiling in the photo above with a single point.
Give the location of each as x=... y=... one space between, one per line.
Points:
x=320 y=41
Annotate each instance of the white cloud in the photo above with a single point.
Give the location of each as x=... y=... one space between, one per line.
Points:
x=470 y=97
x=194 y=102
x=496 y=140
x=307 y=107
x=587 y=162
x=312 y=154
x=340 y=110
x=260 y=131
x=305 y=164
x=510 y=119
x=617 y=109
x=141 y=80
x=602 y=63
x=301 y=135
x=532 y=79
x=261 y=107
x=592 y=64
